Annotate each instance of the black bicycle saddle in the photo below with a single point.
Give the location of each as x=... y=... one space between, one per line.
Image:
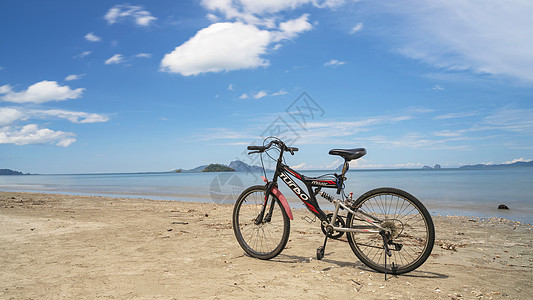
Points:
x=349 y=154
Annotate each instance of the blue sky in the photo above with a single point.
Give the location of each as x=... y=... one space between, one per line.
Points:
x=112 y=86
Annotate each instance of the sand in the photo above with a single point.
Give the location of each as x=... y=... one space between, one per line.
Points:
x=79 y=247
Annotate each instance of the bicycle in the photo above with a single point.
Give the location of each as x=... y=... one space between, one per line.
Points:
x=390 y=224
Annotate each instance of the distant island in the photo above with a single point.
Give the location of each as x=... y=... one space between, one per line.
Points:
x=518 y=164
x=240 y=166
x=436 y=167
x=10 y=172
x=234 y=166
x=217 y=168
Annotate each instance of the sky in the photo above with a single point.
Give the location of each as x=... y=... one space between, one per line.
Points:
x=112 y=86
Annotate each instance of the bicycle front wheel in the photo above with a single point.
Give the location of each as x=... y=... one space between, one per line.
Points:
x=411 y=229
x=264 y=237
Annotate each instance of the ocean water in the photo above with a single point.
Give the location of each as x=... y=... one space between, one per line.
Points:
x=444 y=192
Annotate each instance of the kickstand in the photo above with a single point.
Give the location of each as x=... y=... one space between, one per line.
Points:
x=321 y=250
x=386 y=249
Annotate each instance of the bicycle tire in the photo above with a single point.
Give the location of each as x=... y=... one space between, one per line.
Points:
x=268 y=239
x=410 y=225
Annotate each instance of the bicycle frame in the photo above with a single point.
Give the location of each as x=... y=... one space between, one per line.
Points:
x=285 y=173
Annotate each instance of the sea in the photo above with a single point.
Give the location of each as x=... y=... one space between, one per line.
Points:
x=461 y=192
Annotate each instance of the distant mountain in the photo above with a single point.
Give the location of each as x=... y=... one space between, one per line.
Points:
x=217 y=168
x=234 y=166
x=10 y=172
x=195 y=170
x=518 y=164
x=240 y=166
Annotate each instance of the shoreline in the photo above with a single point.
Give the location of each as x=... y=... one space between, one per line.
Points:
x=63 y=246
x=473 y=211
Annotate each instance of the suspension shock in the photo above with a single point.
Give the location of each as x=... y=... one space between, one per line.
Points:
x=326 y=196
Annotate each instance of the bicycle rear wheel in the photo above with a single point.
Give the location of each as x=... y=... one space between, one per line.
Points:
x=268 y=238
x=408 y=222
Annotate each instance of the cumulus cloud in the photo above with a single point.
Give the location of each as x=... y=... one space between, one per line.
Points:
x=115 y=59
x=229 y=46
x=9 y=115
x=246 y=10
x=91 y=37
x=292 y=28
x=40 y=92
x=122 y=12
x=250 y=32
x=219 y=47
x=32 y=134
x=12 y=119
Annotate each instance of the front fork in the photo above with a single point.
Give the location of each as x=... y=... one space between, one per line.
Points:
x=262 y=218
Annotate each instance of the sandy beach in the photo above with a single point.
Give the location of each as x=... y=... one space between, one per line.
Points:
x=81 y=247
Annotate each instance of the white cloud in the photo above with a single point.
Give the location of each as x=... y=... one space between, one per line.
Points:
x=521 y=159
x=115 y=59
x=120 y=13
x=357 y=28
x=246 y=9
x=143 y=55
x=508 y=119
x=300 y=166
x=437 y=88
x=241 y=43
x=260 y=95
x=83 y=54
x=483 y=36
x=74 y=77
x=72 y=116
x=334 y=63
x=9 y=115
x=213 y=18
x=456 y=115
x=231 y=87
x=280 y=93
x=40 y=92
x=91 y=37
x=31 y=134
x=449 y=133
x=219 y=47
x=243 y=96
x=292 y=28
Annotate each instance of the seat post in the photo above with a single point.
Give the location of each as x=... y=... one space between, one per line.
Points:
x=345 y=167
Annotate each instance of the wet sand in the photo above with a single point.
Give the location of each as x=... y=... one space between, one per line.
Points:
x=62 y=246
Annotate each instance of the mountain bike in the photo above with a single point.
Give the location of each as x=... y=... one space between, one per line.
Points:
x=388 y=229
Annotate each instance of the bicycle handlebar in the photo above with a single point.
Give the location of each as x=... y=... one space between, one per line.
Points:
x=259 y=148
x=276 y=142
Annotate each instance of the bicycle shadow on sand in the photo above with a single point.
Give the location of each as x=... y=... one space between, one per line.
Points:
x=296 y=259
